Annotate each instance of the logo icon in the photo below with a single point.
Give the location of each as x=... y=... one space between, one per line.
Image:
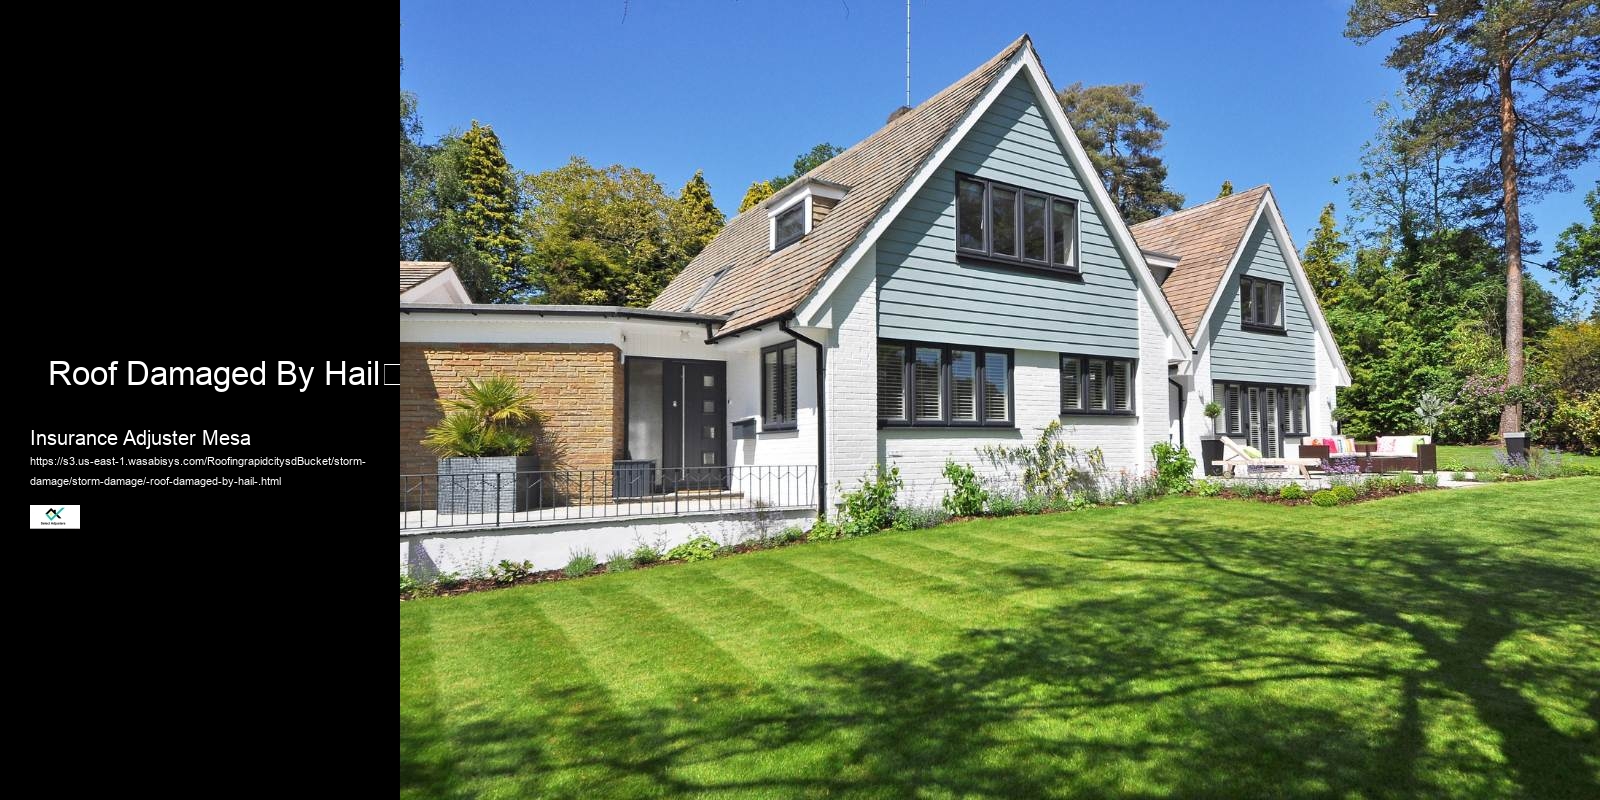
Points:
x=59 y=517
x=54 y=514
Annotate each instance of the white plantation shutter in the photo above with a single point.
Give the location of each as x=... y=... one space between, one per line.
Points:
x=1253 y=435
x=996 y=387
x=1097 y=385
x=1120 y=399
x=1273 y=440
x=925 y=384
x=891 y=382
x=1071 y=397
x=963 y=386
x=1235 y=418
x=771 y=405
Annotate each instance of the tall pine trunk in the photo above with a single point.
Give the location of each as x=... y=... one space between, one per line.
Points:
x=1511 y=414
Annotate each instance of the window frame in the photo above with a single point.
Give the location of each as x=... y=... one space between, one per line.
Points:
x=1083 y=385
x=794 y=387
x=803 y=208
x=1286 y=397
x=1072 y=266
x=908 y=349
x=1246 y=286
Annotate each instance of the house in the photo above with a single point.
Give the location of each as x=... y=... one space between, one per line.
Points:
x=958 y=279
x=431 y=282
x=1263 y=349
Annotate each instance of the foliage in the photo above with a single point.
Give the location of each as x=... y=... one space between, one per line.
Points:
x=1430 y=407
x=486 y=420
x=1174 y=468
x=1292 y=491
x=1205 y=487
x=871 y=506
x=699 y=548
x=911 y=519
x=1212 y=410
x=1002 y=504
x=1050 y=467
x=1577 y=261
x=408 y=584
x=1325 y=498
x=692 y=219
x=793 y=533
x=824 y=530
x=1431 y=480
x=620 y=561
x=1325 y=258
x=1344 y=493
x=754 y=196
x=1405 y=479
x=1226 y=190
x=510 y=571
x=646 y=553
x=1128 y=488
x=967 y=496
x=1458 y=476
x=448 y=580
x=1123 y=137
x=805 y=162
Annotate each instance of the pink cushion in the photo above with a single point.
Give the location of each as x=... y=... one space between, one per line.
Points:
x=1386 y=444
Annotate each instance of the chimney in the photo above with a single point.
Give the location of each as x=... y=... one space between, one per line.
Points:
x=897 y=113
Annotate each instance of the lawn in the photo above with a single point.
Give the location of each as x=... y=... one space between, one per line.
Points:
x=1475 y=457
x=1442 y=644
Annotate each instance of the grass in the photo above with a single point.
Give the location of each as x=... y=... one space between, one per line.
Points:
x=1476 y=457
x=1443 y=644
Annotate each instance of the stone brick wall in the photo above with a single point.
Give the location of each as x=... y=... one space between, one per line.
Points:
x=577 y=387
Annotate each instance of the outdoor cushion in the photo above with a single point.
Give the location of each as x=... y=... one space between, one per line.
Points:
x=1386 y=444
x=1252 y=452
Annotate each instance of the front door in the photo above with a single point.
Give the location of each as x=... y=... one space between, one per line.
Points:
x=695 y=412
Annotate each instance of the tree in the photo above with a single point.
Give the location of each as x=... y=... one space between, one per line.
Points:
x=755 y=195
x=694 y=219
x=805 y=162
x=1407 y=184
x=1123 y=137
x=1512 y=82
x=1226 y=190
x=1577 y=260
x=1324 y=258
x=473 y=205
x=599 y=236
x=414 y=178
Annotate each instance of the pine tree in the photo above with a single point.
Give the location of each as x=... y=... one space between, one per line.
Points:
x=1510 y=85
x=805 y=162
x=1227 y=189
x=755 y=195
x=489 y=218
x=1123 y=137
x=693 y=220
x=1324 y=259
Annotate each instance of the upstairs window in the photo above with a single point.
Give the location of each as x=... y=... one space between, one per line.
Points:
x=778 y=394
x=788 y=226
x=1261 y=304
x=1000 y=222
x=1096 y=385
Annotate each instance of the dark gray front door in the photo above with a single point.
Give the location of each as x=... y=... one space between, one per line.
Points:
x=694 y=452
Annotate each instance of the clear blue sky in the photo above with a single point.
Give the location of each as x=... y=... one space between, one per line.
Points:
x=1255 y=92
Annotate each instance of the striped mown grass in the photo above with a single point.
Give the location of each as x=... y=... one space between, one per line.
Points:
x=1442 y=644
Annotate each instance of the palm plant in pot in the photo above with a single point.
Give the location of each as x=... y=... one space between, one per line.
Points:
x=484 y=444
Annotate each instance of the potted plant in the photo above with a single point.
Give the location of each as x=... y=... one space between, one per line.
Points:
x=483 y=444
x=1211 y=446
x=1213 y=410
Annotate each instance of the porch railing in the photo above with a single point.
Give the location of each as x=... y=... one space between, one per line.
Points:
x=488 y=499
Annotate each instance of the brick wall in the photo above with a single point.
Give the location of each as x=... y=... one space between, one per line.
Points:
x=577 y=387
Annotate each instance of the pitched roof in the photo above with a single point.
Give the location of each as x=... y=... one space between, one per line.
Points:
x=415 y=272
x=1204 y=238
x=763 y=286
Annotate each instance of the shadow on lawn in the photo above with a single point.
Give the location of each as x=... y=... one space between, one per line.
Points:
x=1285 y=664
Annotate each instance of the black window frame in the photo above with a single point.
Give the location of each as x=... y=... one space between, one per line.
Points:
x=986 y=254
x=1083 y=385
x=908 y=349
x=802 y=208
x=1225 y=422
x=1246 y=286
x=792 y=384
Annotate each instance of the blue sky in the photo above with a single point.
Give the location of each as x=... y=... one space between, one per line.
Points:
x=1255 y=92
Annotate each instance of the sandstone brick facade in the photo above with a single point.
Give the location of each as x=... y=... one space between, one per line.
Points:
x=577 y=387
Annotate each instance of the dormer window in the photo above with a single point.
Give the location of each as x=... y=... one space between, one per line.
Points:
x=796 y=209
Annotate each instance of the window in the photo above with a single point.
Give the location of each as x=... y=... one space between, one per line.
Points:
x=778 y=395
x=789 y=226
x=1095 y=385
x=1005 y=223
x=1262 y=413
x=1261 y=304
x=706 y=289
x=931 y=384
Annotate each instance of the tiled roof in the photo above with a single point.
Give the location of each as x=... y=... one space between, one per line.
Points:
x=1204 y=237
x=415 y=272
x=762 y=286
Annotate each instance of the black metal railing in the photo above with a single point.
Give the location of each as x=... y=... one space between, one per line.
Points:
x=500 y=498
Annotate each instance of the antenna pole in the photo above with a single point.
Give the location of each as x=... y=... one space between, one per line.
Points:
x=908 y=53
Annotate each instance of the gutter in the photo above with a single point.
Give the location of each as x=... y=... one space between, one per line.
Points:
x=822 y=416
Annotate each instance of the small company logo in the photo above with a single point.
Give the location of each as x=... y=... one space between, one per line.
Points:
x=53 y=517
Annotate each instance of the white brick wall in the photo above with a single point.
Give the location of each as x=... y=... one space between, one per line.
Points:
x=1323 y=395
x=852 y=379
x=1155 y=401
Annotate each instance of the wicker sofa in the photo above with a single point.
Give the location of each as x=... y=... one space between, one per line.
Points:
x=1387 y=454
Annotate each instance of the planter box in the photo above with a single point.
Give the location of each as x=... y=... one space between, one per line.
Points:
x=485 y=485
x=1211 y=450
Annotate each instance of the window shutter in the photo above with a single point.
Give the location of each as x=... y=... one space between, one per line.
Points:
x=963 y=386
x=925 y=385
x=1071 y=398
x=790 y=373
x=891 y=382
x=1273 y=440
x=1097 y=385
x=996 y=387
x=1234 y=419
x=1120 y=400
x=1253 y=436
x=769 y=387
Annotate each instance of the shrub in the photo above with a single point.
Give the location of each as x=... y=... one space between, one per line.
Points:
x=487 y=420
x=790 y=534
x=1292 y=491
x=408 y=583
x=1049 y=467
x=448 y=580
x=700 y=548
x=911 y=519
x=1375 y=484
x=1458 y=476
x=1003 y=505
x=511 y=572
x=1207 y=488
x=1342 y=494
x=1174 y=468
x=967 y=496
x=823 y=530
x=1326 y=498
x=870 y=508
x=1431 y=480
x=1404 y=479
x=581 y=563
x=646 y=554
x=1130 y=488
x=1452 y=466
x=619 y=561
